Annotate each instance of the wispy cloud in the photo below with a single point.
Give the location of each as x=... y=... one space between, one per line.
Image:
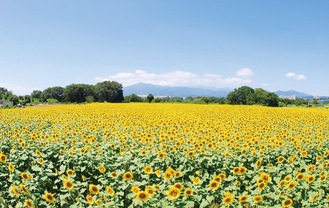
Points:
x=178 y=78
x=244 y=72
x=296 y=76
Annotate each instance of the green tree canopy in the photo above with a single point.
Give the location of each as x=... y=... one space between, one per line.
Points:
x=78 y=92
x=54 y=93
x=248 y=96
x=109 y=91
x=150 y=98
x=240 y=95
x=36 y=94
x=134 y=98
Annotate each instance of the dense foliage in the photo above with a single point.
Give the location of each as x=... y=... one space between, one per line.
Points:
x=111 y=91
x=164 y=155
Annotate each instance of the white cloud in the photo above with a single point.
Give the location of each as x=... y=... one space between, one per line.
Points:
x=296 y=76
x=175 y=78
x=244 y=72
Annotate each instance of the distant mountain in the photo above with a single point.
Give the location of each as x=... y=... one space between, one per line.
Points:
x=143 y=89
x=293 y=93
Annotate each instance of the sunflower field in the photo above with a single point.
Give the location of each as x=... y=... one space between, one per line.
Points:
x=164 y=155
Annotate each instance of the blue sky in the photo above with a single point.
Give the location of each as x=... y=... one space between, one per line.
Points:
x=271 y=44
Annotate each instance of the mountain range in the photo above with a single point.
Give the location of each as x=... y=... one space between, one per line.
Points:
x=143 y=89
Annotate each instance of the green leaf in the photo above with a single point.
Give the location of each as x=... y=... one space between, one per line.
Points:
x=204 y=203
x=189 y=204
x=36 y=168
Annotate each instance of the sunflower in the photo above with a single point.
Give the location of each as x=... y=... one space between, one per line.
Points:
x=261 y=186
x=188 y=192
x=310 y=178
x=157 y=187
x=315 y=197
x=258 y=163
x=142 y=196
x=110 y=190
x=266 y=177
x=190 y=154
x=127 y=176
x=299 y=176
x=24 y=189
x=28 y=203
x=98 y=202
x=196 y=180
x=222 y=176
x=49 y=197
x=70 y=173
x=90 y=199
x=148 y=169
x=213 y=185
x=37 y=152
x=258 y=199
x=158 y=173
x=14 y=191
x=162 y=155
x=93 y=189
x=228 y=200
x=178 y=174
x=243 y=198
x=280 y=159
x=114 y=174
x=135 y=189
x=244 y=150
x=287 y=178
x=291 y=185
x=236 y=170
x=68 y=184
x=11 y=167
x=173 y=193
x=150 y=190
x=304 y=153
x=101 y=169
x=25 y=175
x=242 y=170
x=180 y=186
x=167 y=175
x=41 y=161
x=318 y=158
x=282 y=183
x=287 y=202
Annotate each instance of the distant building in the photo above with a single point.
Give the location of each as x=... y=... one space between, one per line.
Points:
x=290 y=97
x=4 y=103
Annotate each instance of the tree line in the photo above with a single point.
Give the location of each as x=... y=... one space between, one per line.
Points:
x=107 y=91
x=111 y=91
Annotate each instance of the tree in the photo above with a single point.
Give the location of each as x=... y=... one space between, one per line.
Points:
x=54 y=93
x=3 y=92
x=150 y=98
x=90 y=99
x=134 y=98
x=240 y=95
x=262 y=97
x=36 y=94
x=78 y=92
x=109 y=91
x=247 y=95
